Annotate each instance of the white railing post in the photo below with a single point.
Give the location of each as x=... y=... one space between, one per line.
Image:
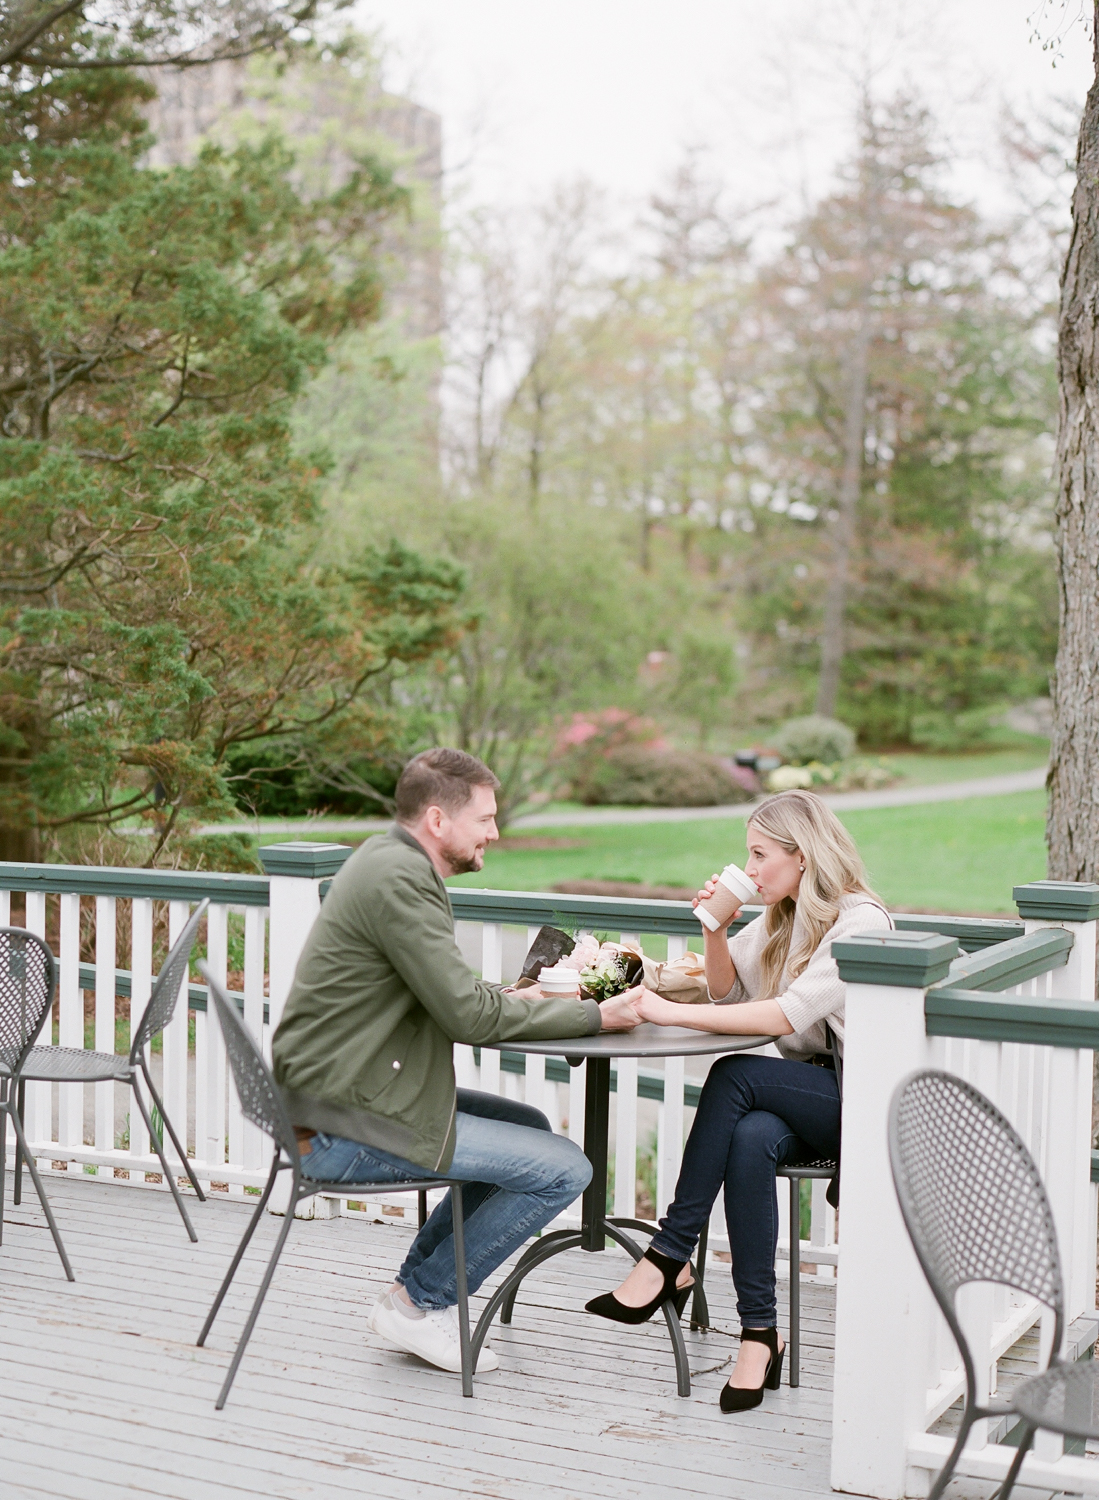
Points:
x=296 y=871
x=105 y=985
x=1067 y=1164
x=883 y=1308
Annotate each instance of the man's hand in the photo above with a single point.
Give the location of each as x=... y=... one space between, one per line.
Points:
x=619 y=1013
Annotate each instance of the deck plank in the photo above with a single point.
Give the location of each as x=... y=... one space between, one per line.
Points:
x=103 y=1393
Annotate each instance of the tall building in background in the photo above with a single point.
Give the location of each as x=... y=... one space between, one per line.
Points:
x=330 y=112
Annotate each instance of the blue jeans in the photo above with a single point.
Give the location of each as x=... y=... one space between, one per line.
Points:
x=754 y=1114
x=518 y=1177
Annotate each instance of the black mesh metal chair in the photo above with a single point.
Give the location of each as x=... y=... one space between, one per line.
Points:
x=976 y=1211
x=262 y=1103
x=28 y=978
x=794 y=1172
x=77 y=1065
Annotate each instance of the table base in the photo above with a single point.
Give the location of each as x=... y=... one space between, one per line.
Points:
x=503 y=1299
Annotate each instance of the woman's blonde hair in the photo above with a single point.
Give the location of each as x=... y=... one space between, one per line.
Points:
x=803 y=823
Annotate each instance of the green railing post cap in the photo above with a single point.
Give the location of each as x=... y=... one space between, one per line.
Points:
x=306 y=861
x=912 y=960
x=1058 y=900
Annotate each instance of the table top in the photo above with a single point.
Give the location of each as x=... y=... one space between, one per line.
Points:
x=646 y=1040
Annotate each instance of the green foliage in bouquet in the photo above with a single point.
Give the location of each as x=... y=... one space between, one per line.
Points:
x=604 y=978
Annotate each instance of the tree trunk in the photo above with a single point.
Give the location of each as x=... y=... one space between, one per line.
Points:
x=843 y=534
x=1073 y=828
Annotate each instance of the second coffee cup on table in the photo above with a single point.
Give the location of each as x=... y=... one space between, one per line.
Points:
x=559 y=981
x=733 y=889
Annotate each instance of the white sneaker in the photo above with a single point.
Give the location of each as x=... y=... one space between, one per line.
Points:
x=434 y=1337
x=380 y=1300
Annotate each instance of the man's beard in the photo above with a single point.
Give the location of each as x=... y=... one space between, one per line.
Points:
x=461 y=863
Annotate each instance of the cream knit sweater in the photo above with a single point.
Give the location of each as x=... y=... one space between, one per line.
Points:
x=817 y=994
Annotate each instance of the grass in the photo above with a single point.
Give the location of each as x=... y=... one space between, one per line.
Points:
x=948 y=857
x=928 y=770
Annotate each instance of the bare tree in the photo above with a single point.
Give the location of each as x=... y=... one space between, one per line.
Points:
x=1073 y=827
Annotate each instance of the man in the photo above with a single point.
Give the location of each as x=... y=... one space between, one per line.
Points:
x=364 y=1053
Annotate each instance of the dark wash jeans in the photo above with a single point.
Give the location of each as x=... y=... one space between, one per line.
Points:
x=755 y=1114
x=518 y=1176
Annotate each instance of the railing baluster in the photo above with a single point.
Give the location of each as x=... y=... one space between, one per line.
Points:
x=252 y=1139
x=40 y=1095
x=70 y=1029
x=625 y=1147
x=535 y=1093
x=141 y=983
x=106 y=962
x=577 y=1081
x=492 y=971
x=211 y=1144
x=671 y=1113
x=176 y=1063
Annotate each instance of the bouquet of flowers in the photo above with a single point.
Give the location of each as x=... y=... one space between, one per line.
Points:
x=610 y=973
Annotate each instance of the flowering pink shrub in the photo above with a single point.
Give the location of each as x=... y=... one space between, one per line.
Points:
x=603 y=732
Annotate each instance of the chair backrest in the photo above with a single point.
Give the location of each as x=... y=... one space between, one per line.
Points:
x=260 y=1099
x=169 y=983
x=28 y=977
x=971 y=1196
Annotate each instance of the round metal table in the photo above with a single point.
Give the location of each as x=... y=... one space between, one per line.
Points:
x=596 y=1227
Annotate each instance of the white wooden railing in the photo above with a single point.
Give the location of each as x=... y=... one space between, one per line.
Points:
x=264 y=919
x=1019 y=1022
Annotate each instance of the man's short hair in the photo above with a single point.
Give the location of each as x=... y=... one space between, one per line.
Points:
x=440 y=778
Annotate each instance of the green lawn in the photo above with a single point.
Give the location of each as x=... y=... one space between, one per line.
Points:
x=949 y=856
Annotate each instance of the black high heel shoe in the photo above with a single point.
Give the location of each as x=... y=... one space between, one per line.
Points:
x=608 y=1305
x=741 y=1398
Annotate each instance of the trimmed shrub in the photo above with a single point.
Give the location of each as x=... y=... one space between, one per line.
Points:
x=814 y=738
x=639 y=775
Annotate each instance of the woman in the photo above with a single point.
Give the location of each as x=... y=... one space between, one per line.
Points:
x=776 y=977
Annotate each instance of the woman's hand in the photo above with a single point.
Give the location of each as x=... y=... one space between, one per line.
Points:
x=653 y=1007
x=706 y=892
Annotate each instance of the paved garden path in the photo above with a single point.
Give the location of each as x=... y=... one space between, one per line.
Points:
x=589 y=817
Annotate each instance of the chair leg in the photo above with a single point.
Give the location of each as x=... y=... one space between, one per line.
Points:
x=21 y=1143
x=170 y=1128
x=458 y=1220
x=700 y=1312
x=421 y=1208
x=169 y=1175
x=4 y=1106
x=241 y=1248
x=287 y=1225
x=795 y=1282
x=21 y=1106
x=946 y=1473
x=1025 y=1440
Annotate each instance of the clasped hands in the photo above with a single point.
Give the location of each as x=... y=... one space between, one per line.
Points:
x=625 y=1011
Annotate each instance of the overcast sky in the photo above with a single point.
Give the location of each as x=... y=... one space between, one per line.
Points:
x=536 y=91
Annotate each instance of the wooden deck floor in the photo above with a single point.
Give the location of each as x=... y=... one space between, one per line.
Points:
x=103 y=1393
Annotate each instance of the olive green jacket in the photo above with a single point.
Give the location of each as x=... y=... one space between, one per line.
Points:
x=365 y=1047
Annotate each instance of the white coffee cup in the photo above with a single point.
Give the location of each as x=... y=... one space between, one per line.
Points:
x=559 y=981
x=733 y=889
